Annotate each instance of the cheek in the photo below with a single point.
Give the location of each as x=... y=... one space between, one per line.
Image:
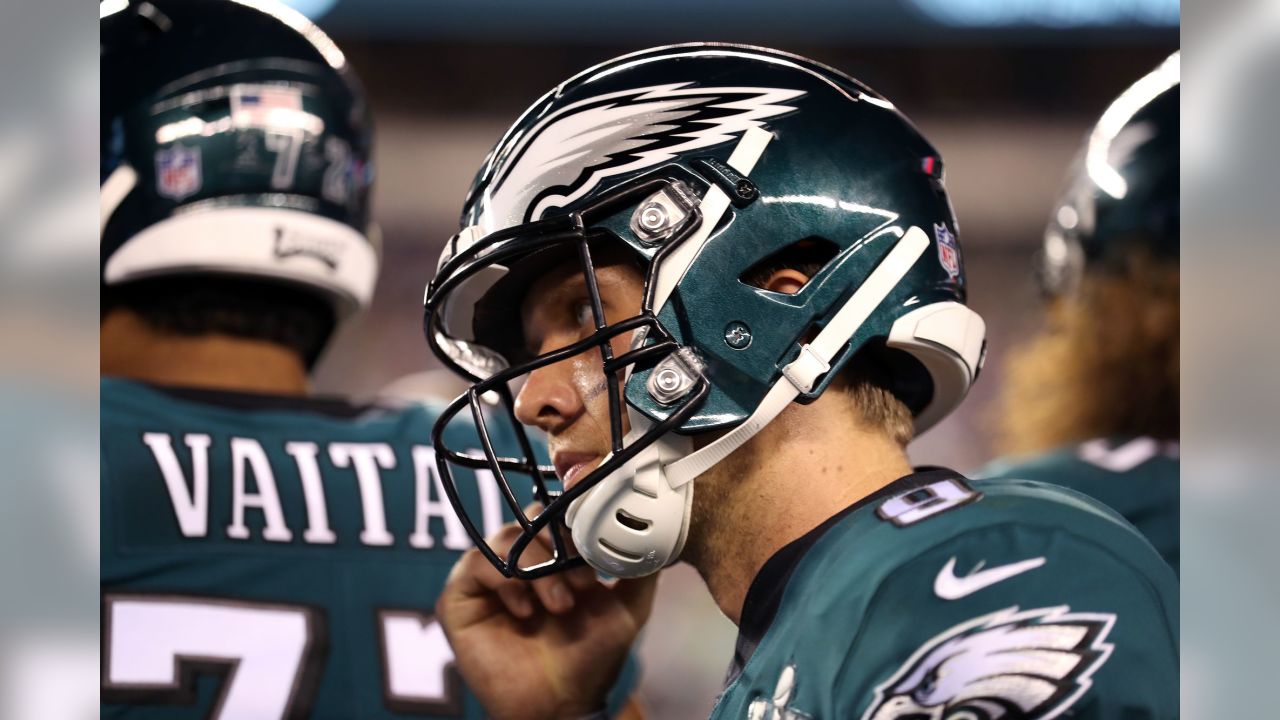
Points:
x=589 y=381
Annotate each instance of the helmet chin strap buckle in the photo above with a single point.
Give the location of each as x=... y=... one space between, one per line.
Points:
x=804 y=371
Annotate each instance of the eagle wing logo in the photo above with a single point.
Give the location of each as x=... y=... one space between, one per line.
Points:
x=568 y=153
x=1008 y=665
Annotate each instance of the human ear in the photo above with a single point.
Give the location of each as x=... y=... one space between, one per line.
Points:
x=786 y=281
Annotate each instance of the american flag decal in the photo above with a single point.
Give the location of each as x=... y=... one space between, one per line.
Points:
x=264 y=106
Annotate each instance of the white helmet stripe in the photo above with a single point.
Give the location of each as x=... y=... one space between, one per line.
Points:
x=743 y=159
x=114 y=190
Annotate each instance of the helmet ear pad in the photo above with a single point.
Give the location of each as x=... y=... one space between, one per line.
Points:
x=948 y=340
x=895 y=370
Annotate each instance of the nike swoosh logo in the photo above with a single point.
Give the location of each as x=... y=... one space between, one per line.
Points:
x=949 y=587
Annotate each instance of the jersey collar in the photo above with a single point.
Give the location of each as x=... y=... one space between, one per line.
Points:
x=329 y=406
x=765 y=594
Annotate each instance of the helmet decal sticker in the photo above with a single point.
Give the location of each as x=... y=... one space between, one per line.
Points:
x=1034 y=663
x=948 y=253
x=270 y=107
x=569 y=153
x=291 y=242
x=778 y=707
x=1100 y=157
x=277 y=111
x=1121 y=193
x=178 y=171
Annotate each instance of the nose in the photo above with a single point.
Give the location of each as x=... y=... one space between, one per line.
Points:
x=549 y=400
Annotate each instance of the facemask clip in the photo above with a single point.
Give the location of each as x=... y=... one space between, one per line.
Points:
x=658 y=217
x=675 y=376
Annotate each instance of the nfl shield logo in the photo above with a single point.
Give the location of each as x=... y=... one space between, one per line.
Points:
x=948 y=253
x=178 y=171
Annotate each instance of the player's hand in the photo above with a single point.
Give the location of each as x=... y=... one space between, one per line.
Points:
x=547 y=648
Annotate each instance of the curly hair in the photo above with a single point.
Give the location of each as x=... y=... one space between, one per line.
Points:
x=1104 y=363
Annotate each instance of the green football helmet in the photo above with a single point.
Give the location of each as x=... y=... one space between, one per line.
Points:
x=1123 y=190
x=235 y=141
x=703 y=162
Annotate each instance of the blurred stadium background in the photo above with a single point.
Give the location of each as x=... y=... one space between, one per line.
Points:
x=1004 y=88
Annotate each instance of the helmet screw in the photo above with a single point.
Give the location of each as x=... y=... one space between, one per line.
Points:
x=653 y=218
x=746 y=189
x=675 y=376
x=668 y=379
x=737 y=335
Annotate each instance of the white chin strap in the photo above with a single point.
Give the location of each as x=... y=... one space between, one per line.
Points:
x=635 y=520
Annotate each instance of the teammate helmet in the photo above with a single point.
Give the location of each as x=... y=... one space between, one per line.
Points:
x=703 y=162
x=1122 y=192
x=235 y=140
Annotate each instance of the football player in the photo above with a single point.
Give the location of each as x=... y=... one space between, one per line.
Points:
x=725 y=282
x=264 y=554
x=1092 y=399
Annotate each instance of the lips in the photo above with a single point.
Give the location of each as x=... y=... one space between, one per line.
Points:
x=571 y=466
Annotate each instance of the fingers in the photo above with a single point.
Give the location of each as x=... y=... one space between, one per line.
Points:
x=475 y=590
x=581 y=578
x=515 y=597
x=475 y=579
x=555 y=592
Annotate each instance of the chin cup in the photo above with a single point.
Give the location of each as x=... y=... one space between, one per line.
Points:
x=632 y=523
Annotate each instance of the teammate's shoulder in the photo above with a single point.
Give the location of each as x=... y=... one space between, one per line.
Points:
x=1035 y=502
x=122 y=398
x=1098 y=459
x=1030 y=466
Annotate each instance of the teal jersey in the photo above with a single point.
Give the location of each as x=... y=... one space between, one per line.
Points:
x=268 y=557
x=1136 y=477
x=939 y=598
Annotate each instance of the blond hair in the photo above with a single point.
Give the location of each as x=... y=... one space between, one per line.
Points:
x=1105 y=363
x=875 y=404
